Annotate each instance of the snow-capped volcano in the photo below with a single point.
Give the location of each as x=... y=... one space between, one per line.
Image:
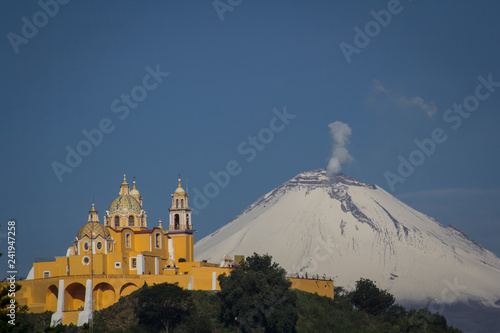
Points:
x=346 y=229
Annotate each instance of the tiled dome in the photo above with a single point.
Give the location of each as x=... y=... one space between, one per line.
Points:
x=125 y=204
x=94 y=228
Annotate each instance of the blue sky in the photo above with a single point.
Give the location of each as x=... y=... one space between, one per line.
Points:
x=225 y=78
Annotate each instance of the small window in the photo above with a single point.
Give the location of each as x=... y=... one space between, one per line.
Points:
x=127 y=240
x=46 y=274
x=182 y=203
x=187 y=221
x=86 y=246
x=117 y=221
x=176 y=221
x=99 y=245
x=118 y=264
x=157 y=241
x=134 y=263
x=177 y=203
x=86 y=260
x=130 y=221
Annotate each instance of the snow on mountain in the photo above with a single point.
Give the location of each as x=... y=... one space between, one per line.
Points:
x=345 y=229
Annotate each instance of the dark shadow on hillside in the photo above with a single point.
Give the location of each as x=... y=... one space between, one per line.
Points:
x=472 y=317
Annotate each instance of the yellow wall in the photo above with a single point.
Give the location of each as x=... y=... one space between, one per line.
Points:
x=149 y=264
x=41 y=294
x=320 y=287
x=56 y=268
x=183 y=245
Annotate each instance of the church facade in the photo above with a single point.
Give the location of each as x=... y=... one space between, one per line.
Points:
x=112 y=259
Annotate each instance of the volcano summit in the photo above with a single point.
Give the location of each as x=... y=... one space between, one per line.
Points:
x=342 y=228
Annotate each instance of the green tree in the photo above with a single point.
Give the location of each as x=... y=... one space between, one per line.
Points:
x=367 y=297
x=257 y=294
x=163 y=306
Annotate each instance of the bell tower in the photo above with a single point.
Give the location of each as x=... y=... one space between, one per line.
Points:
x=180 y=228
x=180 y=213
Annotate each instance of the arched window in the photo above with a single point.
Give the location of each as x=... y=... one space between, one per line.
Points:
x=127 y=240
x=182 y=203
x=157 y=240
x=187 y=221
x=176 y=221
x=131 y=221
x=117 y=221
x=177 y=203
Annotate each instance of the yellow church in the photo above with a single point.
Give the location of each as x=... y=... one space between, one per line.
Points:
x=112 y=259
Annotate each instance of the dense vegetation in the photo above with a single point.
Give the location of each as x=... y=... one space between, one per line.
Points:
x=254 y=298
x=257 y=294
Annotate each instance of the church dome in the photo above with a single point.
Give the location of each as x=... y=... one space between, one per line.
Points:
x=135 y=192
x=179 y=189
x=93 y=230
x=125 y=204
